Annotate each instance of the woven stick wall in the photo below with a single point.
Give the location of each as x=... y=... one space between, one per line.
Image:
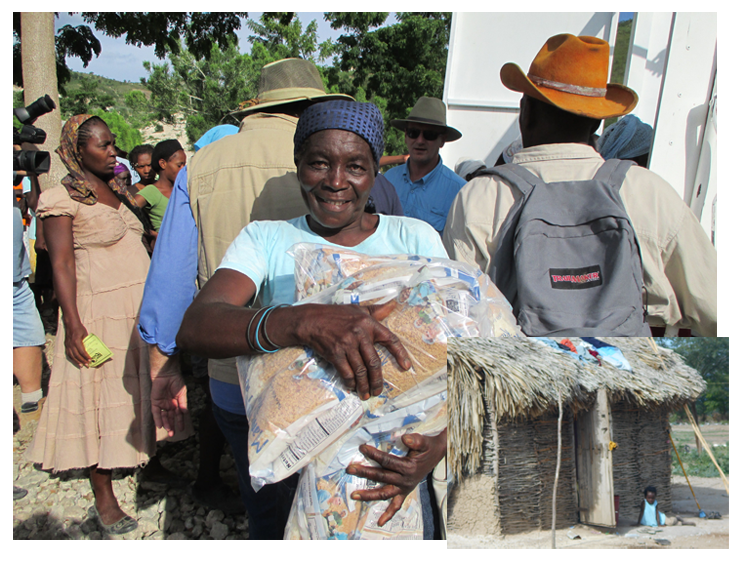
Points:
x=545 y=447
x=527 y=465
x=642 y=457
x=518 y=484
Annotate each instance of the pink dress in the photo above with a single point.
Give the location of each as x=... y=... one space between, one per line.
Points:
x=100 y=416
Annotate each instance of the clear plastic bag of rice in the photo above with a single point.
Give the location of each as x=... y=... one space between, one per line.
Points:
x=323 y=508
x=296 y=402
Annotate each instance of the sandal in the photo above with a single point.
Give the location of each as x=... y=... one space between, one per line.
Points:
x=122 y=526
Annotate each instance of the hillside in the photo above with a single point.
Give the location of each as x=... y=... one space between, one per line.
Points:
x=152 y=131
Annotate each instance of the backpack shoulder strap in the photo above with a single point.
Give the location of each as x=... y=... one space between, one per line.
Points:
x=515 y=175
x=614 y=172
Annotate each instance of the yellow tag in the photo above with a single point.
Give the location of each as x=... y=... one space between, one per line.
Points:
x=612 y=446
x=97 y=350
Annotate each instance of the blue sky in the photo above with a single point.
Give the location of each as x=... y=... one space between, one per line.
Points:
x=120 y=61
x=123 y=62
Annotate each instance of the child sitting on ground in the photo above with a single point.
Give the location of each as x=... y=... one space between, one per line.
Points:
x=650 y=515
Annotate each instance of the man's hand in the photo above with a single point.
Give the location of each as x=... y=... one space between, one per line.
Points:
x=400 y=475
x=168 y=402
x=168 y=392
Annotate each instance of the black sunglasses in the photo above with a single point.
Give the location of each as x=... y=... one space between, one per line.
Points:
x=413 y=134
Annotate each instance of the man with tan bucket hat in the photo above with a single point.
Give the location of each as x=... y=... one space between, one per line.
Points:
x=250 y=175
x=565 y=96
x=424 y=184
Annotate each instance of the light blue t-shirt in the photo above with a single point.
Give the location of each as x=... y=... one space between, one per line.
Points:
x=649 y=518
x=260 y=253
x=428 y=198
x=260 y=250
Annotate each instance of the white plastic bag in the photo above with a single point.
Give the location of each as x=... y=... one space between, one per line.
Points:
x=296 y=402
x=323 y=507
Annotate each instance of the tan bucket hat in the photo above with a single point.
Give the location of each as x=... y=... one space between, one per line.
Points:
x=571 y=73
x=428 y=111
x=286 y=81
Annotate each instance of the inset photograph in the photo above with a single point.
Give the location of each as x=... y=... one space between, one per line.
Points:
x=585 y=442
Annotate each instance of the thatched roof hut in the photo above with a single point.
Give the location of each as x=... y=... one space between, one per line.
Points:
x=503 y=410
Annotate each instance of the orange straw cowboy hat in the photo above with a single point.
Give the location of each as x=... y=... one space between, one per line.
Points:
x=286 y=81
x=571 y=73
x=428 y=111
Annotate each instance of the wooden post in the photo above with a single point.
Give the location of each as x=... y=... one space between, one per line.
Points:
x=595 y=464
x=699 y=448
x=556 y=477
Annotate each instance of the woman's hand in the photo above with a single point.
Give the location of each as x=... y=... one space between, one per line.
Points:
x=74 y=348
x=346 y=337
x=400 y=475
x=215 y=326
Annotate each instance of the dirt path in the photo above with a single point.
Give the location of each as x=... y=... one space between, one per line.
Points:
x=706 y=534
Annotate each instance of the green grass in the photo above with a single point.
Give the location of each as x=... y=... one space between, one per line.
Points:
x=699 y=466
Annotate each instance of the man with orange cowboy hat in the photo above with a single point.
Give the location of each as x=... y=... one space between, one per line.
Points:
x=565 y=97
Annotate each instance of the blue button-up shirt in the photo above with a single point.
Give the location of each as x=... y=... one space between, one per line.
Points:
x=171 y=281
x=430 y=197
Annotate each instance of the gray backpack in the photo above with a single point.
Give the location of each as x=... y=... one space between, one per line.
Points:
x=567 y=257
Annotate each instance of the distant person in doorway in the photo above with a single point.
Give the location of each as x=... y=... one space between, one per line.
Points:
x=650 y=515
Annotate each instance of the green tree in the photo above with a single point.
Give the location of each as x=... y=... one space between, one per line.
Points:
x=281 y=33
x=620 y=58
x=85 y=98
x=394 y=65
x=76 y=41
x=207 y=90
x=710 y=357
x=127 y=137
x=162 y=30
x=136 y=100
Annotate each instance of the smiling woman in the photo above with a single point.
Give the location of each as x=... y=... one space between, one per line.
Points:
x=337 y=172
x=338 y=145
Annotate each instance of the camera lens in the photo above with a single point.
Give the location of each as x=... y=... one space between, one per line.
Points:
x=31 y=161
x=41 y=106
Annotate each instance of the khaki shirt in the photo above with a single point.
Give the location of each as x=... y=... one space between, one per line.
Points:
x=247 y=176
x=679 y=260
x=240 y=178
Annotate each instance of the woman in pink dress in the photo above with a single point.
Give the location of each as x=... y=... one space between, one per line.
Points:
x=97 y=418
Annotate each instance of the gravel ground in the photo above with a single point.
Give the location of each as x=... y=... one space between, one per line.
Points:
x=56 y=506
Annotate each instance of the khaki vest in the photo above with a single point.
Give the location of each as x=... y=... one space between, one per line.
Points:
x=240 y=178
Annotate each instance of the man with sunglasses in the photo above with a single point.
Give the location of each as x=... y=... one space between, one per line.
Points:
x=425 y=186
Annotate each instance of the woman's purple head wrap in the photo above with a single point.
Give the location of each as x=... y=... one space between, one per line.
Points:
x=363 y=119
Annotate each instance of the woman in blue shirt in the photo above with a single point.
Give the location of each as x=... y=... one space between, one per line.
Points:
x=338 y=145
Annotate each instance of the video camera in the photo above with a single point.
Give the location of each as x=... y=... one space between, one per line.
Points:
x=31 y=161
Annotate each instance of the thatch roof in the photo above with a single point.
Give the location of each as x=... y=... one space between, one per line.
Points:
x=518 y=378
